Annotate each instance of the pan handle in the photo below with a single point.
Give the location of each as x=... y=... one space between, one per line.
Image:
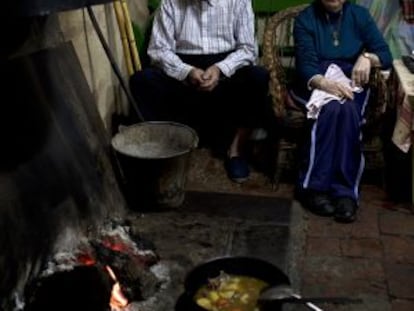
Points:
x=310 y=305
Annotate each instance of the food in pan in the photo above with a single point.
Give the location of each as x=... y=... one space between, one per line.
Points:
x=228 y=292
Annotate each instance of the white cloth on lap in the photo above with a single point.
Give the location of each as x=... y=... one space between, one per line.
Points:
x=320 y=98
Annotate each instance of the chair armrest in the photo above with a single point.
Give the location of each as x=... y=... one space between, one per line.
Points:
x=385 y=74
x=378 y=102
x=379 y=90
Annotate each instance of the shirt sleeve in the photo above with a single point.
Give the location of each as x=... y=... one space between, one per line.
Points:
x=161 y=48
x=246 y=50
x=307 y=60
x=374 y=40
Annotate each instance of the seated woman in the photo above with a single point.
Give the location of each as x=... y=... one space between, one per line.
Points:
x=337 y=43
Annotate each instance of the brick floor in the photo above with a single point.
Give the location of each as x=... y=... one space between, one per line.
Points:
x=398 y=249
x=372 y=259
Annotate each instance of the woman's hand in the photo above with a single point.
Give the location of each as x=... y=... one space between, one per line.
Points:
x=335 y=88
x=361 y=71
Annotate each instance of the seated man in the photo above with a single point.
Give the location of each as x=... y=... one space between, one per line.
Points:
x=203 y=54
x=338 y=35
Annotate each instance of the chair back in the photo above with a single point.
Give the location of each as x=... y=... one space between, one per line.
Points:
x=278 y=55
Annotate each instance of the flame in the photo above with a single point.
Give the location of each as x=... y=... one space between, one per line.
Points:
x=86 y=259
x=118 y=300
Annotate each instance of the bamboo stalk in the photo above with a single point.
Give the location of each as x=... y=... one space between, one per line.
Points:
x=131 y=36
x=125 y=44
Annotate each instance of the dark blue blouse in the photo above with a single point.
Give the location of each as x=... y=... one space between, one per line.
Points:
x=314 y=42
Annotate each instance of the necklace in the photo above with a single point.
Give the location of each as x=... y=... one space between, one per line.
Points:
x=335 y=28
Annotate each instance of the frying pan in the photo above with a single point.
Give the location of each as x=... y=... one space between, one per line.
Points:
x=236 y=265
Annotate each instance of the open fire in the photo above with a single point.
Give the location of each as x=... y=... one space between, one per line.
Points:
x=110 y=273
x=117 y=300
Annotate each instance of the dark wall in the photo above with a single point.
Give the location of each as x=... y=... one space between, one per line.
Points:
x=44 y=7
x=55 y=162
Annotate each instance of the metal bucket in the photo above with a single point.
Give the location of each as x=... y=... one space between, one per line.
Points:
x=154 y=159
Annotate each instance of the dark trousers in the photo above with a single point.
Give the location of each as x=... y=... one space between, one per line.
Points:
x=333 y=161
x=238 y=101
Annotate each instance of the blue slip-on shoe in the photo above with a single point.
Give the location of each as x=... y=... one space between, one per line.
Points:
x=237 y=169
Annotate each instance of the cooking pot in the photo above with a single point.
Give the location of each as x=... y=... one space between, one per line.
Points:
x=236 y=265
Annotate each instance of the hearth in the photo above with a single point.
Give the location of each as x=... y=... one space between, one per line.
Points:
x=114 y=271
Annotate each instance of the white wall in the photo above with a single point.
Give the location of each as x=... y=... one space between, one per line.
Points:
x=76 y=26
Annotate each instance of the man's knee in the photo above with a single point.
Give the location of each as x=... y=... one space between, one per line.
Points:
x=256 y=74
x=262 y=74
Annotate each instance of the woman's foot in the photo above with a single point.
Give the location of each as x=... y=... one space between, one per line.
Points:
x=317 y=202
x=346 y=209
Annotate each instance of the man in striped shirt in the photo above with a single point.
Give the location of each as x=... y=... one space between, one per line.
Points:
x=204 y=56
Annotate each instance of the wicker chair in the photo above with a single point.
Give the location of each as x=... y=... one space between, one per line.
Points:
x=278 y=58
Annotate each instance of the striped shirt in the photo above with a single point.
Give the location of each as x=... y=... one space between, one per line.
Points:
x=200 y=27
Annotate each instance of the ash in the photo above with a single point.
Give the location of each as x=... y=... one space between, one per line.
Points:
x=162 y=300
x=74 y=250
x=144 y=279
